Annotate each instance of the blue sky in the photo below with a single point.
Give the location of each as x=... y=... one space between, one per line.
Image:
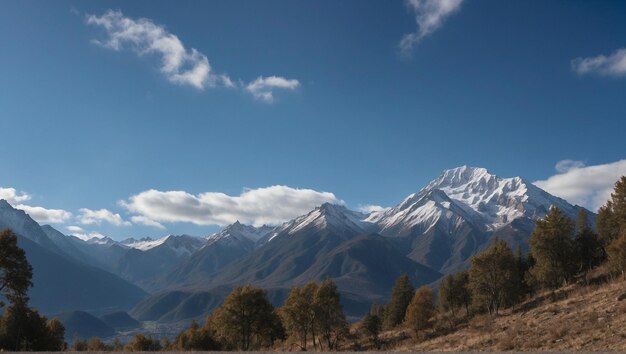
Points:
x=98 y=128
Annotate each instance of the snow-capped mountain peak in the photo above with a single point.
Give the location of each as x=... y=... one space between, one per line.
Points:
x=240 y=232
x=329 y=215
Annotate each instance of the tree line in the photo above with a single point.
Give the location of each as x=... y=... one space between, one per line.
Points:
x=312 y=316
x=498 y=278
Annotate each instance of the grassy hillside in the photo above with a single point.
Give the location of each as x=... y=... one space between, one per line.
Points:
x=579 y=317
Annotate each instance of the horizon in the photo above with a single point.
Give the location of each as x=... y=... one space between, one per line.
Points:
x=225 y=111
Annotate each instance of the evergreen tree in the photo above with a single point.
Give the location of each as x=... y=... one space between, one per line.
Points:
x=493 y=278
x=589 y=252
x=552 y=247
x=446 y=297
x=330 y=320
x=22 y=328
x=401 y=296
x=372 y=324
x=242 y=321
x=15 y=271
x=618 y=197
x=420 y=310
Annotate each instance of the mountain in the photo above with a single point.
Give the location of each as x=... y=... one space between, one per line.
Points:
x=120 y=321
x=148 y=260
x=329 y=242
x=80 y=324
x=62 y=283
x=458 y=214
x=221 y=249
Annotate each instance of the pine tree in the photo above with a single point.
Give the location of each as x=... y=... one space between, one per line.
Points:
x=552 y=246
x=420 y=310
x=15 y=271
x=401 y=296
x=618 y=197
x=589 y=252
x=492 y=278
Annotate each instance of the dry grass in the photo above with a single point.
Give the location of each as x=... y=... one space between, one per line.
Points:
x=579 y=317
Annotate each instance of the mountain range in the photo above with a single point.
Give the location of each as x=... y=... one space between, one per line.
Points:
x=432 y=232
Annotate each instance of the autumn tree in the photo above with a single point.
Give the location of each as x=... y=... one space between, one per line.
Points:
x=401 y=296
x=420 y=310
x=552 y=246
x=196 y=338
x=15 y=271
x=245 y=320
x=141 y=343
x=617 y=255
x=298 y=314
x=330 y=321
x=492 y=278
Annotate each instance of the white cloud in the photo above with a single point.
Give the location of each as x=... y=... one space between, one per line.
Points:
x=88 y=236
x=566 y=165
x=262 y=88
x=140 y=219
x=612 y=65
x=371 y=208
x=12 y=196
x=90 y=217
x=179 y=64
x=429 y=15
x=271 y=205
x=45 y=216
x=589 y=186
x=75 y=229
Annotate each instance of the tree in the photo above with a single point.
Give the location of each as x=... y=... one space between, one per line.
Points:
x=401 y=296
x=372 y=324
x=245 y=319
x=197 y=338
x=552 y=247
x=420 y=310
x=611 y=220
x=15 y=271
x=617 y=255
x=22 y=328
x=589 y=251
x=141 y=343
x=454 y=293
x=492 y=278
x=298 y=314
x=330 y=321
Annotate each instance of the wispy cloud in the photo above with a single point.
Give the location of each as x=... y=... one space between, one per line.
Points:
x=91 y=217
x=429 y=15
x=270 y=205
x=180 y=65
x=612 y=65
x=567 y=165
x=262 y=88
x=589 y=186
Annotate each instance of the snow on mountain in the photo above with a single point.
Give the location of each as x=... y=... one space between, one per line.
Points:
x=328 y=215
x=474 y=194
x=145 y=243
x=240 y=232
